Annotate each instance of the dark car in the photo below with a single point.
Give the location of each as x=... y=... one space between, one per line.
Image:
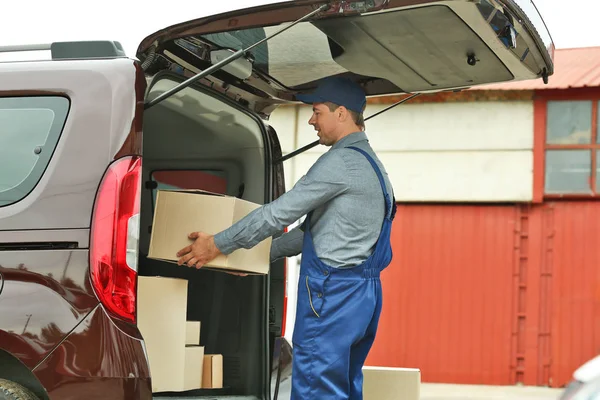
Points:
x=77 y=182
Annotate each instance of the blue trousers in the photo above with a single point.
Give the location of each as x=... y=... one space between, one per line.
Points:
x=334 y=333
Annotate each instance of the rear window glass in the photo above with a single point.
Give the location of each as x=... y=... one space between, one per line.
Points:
x=29 y=131
x=297 y=56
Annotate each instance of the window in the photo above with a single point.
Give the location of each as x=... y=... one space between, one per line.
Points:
x=572 y=148
x=297 y=56
x=29 y=131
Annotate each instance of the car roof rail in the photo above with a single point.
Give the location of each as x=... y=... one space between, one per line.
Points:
x=73 y=50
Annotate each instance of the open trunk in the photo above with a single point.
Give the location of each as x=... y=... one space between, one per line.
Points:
x=197 y=140
x=386 y=46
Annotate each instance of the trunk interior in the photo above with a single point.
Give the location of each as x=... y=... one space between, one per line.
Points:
x=193 y=140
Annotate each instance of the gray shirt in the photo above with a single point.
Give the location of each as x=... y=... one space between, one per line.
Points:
x=344 y=192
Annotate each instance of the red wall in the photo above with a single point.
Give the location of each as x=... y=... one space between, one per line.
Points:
x=574 y=255
x=492 y=294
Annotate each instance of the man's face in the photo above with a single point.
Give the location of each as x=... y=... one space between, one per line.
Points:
x=326 y=124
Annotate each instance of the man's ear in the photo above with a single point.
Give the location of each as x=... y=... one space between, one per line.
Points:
x=342 y=113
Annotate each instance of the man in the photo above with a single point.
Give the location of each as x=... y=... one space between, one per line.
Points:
x=345 y=243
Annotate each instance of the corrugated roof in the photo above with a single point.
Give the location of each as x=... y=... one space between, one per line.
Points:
x=573 y=68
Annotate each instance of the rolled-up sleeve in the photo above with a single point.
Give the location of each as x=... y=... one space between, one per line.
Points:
x=325 y=180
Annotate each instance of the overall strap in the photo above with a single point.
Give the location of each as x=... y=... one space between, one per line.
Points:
x=386 y=195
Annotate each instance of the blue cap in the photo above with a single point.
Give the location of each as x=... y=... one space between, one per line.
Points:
x=340 y=91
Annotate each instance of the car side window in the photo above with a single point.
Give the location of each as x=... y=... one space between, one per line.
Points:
x=29 y=131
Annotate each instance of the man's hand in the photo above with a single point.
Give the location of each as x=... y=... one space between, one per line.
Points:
x=202 y=251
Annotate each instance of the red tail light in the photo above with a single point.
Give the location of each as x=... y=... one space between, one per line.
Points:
x=114 y=238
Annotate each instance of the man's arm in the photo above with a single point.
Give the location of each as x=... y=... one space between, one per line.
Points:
x=288 y=244
x=325 y=180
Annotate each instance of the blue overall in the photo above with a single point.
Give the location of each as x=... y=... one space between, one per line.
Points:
x=337 y=316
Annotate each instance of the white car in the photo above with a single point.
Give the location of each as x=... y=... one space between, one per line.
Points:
x=586 y=382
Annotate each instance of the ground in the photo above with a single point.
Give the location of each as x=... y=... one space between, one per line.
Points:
x=436 y=391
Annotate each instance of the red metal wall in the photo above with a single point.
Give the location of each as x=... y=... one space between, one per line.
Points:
x=492 y=294
x=574 y=256
x=447 y=296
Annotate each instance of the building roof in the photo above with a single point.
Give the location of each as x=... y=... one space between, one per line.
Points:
x=573 y=68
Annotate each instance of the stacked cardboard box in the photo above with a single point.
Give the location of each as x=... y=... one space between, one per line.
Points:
x=212 y=376
x=177 y=361
x=194 y=357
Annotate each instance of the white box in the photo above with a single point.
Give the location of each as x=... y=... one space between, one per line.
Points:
x=192 y=333
x=194 y=362
x=161 y=319
x=383 y=383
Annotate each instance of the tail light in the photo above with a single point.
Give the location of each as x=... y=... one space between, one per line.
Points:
x=114 y=238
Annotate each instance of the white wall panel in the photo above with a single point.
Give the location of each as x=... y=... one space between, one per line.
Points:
x=436 y=151
x=447 y=176
x=442 y=126
x=283 y=120
x=453 y=126
x=461 y=176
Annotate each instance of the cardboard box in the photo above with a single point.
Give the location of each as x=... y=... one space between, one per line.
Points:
x=382 y=383
x=161 y=319
x=178 y=213
x=194 y=364
x=212 y=374
x=192 y=333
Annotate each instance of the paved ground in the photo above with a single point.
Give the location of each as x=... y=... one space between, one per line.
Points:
x=437 y=391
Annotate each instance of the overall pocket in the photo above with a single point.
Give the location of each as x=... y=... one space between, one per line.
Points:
x=314 y=288
x=309 y=310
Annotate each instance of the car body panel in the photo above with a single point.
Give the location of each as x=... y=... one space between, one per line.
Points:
x=46 y=295
x=588 y=371
x=50 y=317
x=589 y=390
x=97 y=359
x=96 y=89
